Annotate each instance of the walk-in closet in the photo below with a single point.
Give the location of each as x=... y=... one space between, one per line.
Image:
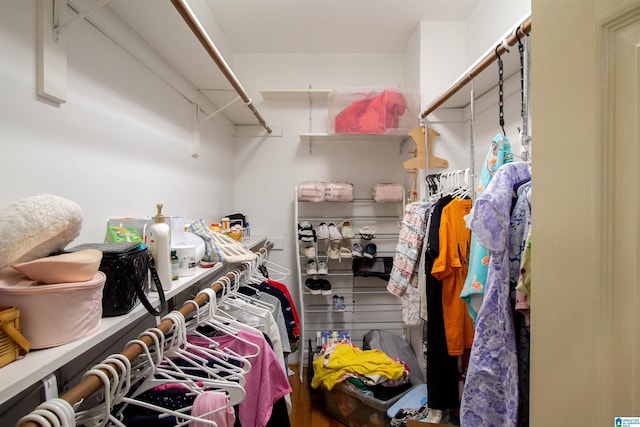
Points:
x=293 y=214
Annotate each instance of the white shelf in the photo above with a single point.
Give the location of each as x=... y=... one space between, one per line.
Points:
x=355 y=137
x=296 y=95
x=37 y=364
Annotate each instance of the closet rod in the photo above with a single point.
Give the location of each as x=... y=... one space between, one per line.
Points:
x=92 y=383
x=192 y=21
x=522 y=30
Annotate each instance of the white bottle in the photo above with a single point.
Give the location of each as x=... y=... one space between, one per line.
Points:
x=160 y=246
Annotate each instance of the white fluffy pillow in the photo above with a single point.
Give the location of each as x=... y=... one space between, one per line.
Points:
x=37 y=226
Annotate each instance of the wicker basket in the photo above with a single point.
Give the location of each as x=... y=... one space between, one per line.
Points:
x=12 y=343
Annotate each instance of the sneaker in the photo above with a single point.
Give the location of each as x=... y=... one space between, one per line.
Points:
x=322 y=267
x=304 y=225
x=338 y=303
x=437 y=416
x=334 y=233
x=370 y=250
x=324 y=285
x=308 y=236
x=313 y=285
x=311 y=267
x=345 y=253
x=309 y=252
x=346 y=230
x=323 y=231
x=333 y=253
x=357 y=251
x=367 y=233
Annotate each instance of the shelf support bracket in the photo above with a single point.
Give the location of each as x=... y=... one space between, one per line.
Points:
x=59 y=14
x=218 y=110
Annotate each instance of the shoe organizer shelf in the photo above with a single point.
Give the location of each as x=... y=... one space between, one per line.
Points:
x=355 y=302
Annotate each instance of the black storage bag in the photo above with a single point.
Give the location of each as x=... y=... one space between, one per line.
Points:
x=127 y=267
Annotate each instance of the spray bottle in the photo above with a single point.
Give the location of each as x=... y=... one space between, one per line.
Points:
x=161 y=248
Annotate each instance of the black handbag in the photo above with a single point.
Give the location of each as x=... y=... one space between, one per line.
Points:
x=127 y=266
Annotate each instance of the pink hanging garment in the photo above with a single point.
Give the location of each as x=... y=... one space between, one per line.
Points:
x=212 y=401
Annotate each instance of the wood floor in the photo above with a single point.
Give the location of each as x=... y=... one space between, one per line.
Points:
x=307 y=409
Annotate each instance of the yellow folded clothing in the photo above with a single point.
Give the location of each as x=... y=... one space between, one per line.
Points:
x=346 y=361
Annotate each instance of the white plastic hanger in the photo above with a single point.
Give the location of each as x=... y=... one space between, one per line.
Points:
x=168 y=372
x=226 y=325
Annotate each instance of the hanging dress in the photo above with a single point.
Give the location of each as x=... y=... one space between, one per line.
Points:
x=473 y=289
x=490 y=395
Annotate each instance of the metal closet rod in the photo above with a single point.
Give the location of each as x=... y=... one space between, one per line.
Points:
x=200 y=33
x=522 y=30
x=92 y=383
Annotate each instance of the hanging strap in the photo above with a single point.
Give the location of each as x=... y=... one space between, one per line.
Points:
x=143 y=297
x=501 y=90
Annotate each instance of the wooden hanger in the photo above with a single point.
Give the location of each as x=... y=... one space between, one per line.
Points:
x=420 y=160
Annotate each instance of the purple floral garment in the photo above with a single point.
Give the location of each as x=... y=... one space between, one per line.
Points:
x=490 y=396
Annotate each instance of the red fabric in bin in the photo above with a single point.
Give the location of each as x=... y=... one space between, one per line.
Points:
x=373 y=114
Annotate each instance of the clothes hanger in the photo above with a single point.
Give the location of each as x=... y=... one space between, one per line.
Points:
x=236 y=370
x=198 y=359
x=193 y=383
x=227 y=324
x=62 y=409
x=240 y=301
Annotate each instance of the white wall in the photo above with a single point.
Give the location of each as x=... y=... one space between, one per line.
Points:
x=490 y=20
x=118 y=146
x=268 y=168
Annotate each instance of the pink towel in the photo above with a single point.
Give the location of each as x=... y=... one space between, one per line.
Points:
x=210 y=401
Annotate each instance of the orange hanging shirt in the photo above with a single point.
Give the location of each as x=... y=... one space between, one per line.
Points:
x=451 y=268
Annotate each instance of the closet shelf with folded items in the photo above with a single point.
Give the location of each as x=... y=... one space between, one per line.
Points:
x=201 y=365
x=345 y=247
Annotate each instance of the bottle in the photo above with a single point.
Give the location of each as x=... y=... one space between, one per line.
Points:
x=161 y=248
x=175 y=264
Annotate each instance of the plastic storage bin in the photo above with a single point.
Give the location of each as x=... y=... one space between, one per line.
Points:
x=373 y=110
x=354 y=408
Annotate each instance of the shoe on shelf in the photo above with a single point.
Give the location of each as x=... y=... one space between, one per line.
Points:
x=370 y=250
x=309 y=251
x=334 y=233
x=325 y=286
x=367 y=232
x=322 y=267
x=345 y=253
x=308 y=236
x=333 y=253
x=338 y=303
x=323 y=231
x=347 y=230
x=357 y=251
x=311 y=267
x=304 y=225
x=313 y=285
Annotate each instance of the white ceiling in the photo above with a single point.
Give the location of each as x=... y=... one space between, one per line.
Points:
x=329 y=26
x=277 y=26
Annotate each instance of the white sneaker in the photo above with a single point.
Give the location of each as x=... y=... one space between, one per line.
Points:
x=309 y=252
x=322 y=267
x=334 y=233
x=311 y=267
x=323 y=231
